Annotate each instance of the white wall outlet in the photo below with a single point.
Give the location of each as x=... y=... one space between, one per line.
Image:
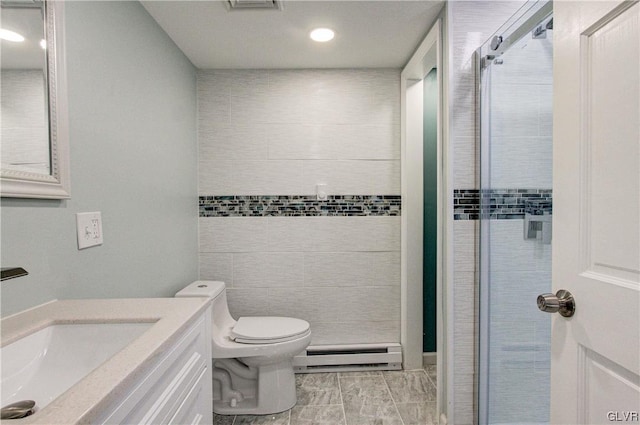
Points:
x=321 y=192
x=89 y=227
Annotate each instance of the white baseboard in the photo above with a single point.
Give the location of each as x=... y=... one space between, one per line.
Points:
x=429 y=358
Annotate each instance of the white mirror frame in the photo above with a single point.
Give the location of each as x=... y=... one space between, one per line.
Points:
x=22 y=184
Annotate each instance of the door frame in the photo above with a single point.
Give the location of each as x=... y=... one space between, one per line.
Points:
x=427 y=56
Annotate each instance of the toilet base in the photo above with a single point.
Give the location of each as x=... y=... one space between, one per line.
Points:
x=273 y=391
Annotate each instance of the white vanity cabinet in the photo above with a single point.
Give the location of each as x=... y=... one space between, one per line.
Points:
x=176 y=389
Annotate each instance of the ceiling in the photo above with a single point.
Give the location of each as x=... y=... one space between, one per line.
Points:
x=369 y=33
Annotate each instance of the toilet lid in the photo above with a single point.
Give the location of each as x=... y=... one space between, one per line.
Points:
x=268 y=330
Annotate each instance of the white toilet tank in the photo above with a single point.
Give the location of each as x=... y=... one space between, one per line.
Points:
x=202 y=288
x=221 y=319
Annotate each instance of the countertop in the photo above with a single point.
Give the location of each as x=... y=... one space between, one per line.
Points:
x=86 y=401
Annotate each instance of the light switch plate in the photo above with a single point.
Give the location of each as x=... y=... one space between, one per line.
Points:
x=89 y=227
x=321 y=192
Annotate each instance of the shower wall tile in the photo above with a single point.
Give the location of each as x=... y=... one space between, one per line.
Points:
x=214 y=102
x=260 y=269
x=250 y=177
x=521 y=162
x=335 y=97
x=514 y=109
x=215 y=266
x=266 y=178
x=464 y=124
x=510 y=251
x=521 y=348
x=294 y=269
x=247 y=302
x=464 y=311
x=282 y=116
x=281 y=132
x=347 y=303
x=465 y=155
x=250 y=99
x=334 y=234
x=508 y=300
x=333 y=141
x=465 y=240
x=233 y=234
x=329 y=333
x=464 y=317
x=469 y=25
x=323 y=269
x=464 y=395
x=344 y=317
x=352 y=177
x=214 y=177
x=545 y=118
x=224 y=141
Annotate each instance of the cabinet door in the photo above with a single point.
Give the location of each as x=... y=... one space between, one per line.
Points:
x=191 y=409
x=162 y=393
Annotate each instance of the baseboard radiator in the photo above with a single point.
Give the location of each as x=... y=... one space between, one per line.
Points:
x=348 y=358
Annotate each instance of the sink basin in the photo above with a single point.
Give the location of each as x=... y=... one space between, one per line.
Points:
x=46 y=363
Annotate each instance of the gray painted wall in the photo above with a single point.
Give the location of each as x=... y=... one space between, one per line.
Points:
x=132 y=107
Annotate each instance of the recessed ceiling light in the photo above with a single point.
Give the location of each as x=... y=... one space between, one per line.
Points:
x=43 y=43
x=321 y=34
x=10 y=35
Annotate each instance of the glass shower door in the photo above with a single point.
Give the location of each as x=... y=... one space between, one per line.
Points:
x=515 y=223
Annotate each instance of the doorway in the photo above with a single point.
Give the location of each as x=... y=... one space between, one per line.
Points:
x=424 y=323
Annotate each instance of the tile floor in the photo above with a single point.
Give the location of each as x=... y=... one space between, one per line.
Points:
x=356 y=398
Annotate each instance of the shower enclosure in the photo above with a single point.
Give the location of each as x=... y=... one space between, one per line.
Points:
x=515 y=103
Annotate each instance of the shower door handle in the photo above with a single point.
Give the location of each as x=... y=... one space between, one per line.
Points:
x=562 y=302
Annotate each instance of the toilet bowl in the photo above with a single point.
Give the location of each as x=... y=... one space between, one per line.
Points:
x=252 y=357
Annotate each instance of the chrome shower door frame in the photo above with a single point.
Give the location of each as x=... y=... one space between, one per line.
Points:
x=523 y=22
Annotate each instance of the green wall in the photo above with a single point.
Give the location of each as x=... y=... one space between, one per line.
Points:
x=132 y=109
x=430 y=140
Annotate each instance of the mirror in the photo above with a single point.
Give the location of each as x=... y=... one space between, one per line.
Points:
x=33 y=128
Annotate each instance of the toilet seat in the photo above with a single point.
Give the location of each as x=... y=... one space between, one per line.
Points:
x=268 y=330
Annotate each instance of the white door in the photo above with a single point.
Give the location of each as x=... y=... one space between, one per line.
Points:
x=595 y=360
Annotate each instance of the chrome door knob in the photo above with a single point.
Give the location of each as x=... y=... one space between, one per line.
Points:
x=548 y=303
x=562 y=302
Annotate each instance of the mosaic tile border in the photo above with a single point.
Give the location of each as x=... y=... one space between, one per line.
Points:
x=501 y=204
x=299 y=205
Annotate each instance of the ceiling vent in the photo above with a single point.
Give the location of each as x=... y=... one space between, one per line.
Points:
x=254 y=4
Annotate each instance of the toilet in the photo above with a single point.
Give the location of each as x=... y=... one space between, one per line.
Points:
x=252 y=357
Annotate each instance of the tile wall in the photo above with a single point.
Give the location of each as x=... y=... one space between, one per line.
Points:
x=469 y=25
x=266 y=139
